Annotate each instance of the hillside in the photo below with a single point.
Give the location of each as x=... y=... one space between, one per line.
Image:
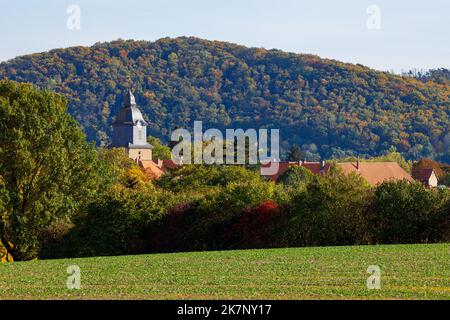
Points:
x=407 y=272
x=329 y=107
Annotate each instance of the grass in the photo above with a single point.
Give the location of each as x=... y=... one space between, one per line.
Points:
x=407 y=272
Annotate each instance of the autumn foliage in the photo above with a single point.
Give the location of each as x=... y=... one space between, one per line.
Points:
x=329 y=108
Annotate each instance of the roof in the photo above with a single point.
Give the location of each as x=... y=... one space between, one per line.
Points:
x=424 y=163
x=151 y=169
x=130 y=113
x=377 y=172
x=139 y=146
x=283 y=166
x=129 y=99
x=423 y=174
x=169 y=164
x=155 y=170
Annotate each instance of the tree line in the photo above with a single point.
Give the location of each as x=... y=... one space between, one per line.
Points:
x=61 y=196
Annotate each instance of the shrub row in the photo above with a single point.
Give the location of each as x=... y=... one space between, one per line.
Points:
x=250 y=212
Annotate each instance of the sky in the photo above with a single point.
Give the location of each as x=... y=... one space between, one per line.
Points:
x=388 y=35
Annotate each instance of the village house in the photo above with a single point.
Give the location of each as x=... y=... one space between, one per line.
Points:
x=373 y=172
x=429 y=172
x=427 y=176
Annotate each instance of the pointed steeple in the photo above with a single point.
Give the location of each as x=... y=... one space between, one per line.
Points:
x=129 y=127
x=130 y=113
x=128 y=99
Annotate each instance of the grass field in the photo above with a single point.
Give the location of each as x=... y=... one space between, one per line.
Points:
x=407 y=272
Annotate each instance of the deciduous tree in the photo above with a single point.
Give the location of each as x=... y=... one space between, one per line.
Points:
x=48 y=168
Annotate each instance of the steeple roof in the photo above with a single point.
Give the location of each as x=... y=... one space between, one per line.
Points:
x=128 y=99
x=130 y=113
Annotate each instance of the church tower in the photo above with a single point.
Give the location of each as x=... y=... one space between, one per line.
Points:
x=130 y=130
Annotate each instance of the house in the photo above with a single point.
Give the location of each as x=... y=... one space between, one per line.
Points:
x=373 y=172
x=283 y=166
x=376 y=172
x=429 y=172
x=427 y=176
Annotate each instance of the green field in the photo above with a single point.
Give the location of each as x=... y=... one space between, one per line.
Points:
x=407 y=272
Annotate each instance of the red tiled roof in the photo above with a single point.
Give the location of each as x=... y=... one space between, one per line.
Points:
x=155 y=170
x=423 y=174
x=169 y=164
x=424 y=163
x=373 y=172
x=316 y=167
x=283 y=166
x=151 y=169
x=377 y=172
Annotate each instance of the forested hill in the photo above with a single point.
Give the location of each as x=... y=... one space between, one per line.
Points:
x=328 y=107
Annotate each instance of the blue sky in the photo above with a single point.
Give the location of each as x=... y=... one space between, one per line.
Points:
x=412 y=34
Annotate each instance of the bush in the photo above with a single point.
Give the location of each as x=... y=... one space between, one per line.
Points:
x=174 y=232
x=445 y=180
x=406 y=212
x=254 y=228
x=199 y=224
x=332 y=210
x=117 y=222
x=52 y=239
